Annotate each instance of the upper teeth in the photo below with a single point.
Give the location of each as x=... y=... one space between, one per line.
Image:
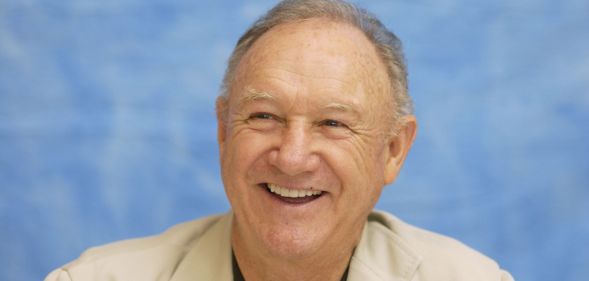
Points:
x=291 y=193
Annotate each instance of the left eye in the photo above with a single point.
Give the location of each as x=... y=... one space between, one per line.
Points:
x=332 y=123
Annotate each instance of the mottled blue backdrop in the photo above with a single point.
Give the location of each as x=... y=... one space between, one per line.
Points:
x=107 y=127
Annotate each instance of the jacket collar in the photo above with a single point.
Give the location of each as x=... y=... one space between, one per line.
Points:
x=380 y=255
x=210 y=257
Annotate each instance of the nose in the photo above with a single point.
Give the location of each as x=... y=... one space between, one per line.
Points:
x=295 y=154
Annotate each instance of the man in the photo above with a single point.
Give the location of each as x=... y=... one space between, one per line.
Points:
x=313 y=120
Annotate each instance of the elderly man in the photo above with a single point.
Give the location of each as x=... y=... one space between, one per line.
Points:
x=313 y=120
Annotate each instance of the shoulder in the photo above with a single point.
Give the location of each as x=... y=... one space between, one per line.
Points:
x=176 y=239
x=156 y=255
x=438 y=255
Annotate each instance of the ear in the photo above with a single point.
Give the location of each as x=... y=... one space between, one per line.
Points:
x=398 y=147
x=221 y=110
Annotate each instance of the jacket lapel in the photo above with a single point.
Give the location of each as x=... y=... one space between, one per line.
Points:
x=382 y=255
x=210 y=257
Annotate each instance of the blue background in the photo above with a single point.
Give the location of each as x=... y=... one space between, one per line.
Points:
x=107 y=126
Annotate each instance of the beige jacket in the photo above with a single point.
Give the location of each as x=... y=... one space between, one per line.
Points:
x=389 y=250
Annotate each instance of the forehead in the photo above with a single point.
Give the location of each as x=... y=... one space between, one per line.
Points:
x=316 y=55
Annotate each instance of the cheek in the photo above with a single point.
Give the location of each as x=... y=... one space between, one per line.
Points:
x=361 y=171
x=240 y=153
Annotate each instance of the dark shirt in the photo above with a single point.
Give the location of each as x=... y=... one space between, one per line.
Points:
x=237 y=276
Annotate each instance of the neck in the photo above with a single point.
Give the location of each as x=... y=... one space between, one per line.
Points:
x=326 y=264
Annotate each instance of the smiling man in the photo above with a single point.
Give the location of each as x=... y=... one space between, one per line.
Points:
x=314 y=120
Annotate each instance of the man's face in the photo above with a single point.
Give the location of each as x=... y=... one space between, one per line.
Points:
x=305 y=149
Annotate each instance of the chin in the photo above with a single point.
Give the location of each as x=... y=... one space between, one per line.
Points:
x=293 y=243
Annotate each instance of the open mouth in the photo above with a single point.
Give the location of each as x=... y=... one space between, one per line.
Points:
x=292 y=196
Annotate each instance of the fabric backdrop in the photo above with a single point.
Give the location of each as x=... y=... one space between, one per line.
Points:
x=107 y=126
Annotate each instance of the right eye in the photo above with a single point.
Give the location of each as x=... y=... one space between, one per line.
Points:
x=263 y=121
x=261 y=115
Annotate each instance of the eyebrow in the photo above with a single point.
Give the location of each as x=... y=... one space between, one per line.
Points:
x=338 y=107
x=341 y=107
x=254 y=95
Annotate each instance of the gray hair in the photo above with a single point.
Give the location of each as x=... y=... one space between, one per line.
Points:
x=388 y=46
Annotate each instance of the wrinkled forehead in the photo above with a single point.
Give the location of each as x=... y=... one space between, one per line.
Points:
x=322 y=48
x=320 y=41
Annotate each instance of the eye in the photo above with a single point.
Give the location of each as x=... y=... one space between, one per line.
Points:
x=263 y=121
x=332 y=123
x=261 y=115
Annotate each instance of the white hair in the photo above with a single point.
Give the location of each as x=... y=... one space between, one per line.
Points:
x=388 y=46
